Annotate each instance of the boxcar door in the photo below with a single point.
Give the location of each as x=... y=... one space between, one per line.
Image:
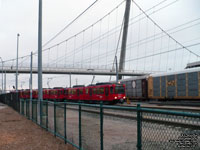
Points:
x=144 y=89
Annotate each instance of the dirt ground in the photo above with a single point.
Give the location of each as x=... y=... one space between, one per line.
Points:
x=19 y=133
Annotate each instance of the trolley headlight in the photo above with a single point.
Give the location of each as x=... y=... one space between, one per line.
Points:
x=115 y=97
x=124 y=97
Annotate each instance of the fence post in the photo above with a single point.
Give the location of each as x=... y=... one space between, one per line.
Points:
x=80 y=139
x=22 y=107
x=54 y=117
x=32 y=108
x=101 y=124
x=47 y=115
x=28 y=108
x=36 y=110
x=139 y=129
x=65 y=134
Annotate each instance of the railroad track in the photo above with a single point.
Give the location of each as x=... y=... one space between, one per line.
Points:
x=164 y=107
x=191 y=103
x=147 y=117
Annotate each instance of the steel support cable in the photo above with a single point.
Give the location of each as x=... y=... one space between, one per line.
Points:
x=131 y=45
x=91 y=44
x=155 y=11
x=175 y=57
x=113 y=51
x=120 y=33
x=160 y=51
x=164 y=30
x=69 y=24
x=120 y=25
x=99 y=43
x=65 y=53
x=138 y=40
x=105 y=16
x=168 y=51
x=74 y=50
x=35 y=53
x=83 y=38
x=107 y=37
x=164 y=52
x=99 y=21
x=89 y=26
x=165 y=35
x=145 y=44
x=75 y=34
x=97 y=55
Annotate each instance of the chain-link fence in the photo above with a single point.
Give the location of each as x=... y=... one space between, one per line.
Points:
x=167 y=130
x=98 y=126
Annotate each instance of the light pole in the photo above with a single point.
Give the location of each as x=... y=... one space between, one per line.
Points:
x=40 y=52
x=2 y=74
x=31 y=77
x=17 y=63
x=40 y=97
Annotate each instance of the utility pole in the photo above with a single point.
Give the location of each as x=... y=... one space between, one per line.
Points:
x=16 y=84
x=31 y=77
x=124 y=37
x=40 y=97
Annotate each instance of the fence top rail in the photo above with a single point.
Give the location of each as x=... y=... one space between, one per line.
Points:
x=170 y=112
x=128 y=108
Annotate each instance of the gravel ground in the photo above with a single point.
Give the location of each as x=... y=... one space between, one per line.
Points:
x=19 y=133
x=119 y=134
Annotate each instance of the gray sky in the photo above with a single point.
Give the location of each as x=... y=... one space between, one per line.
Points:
x=20 y=16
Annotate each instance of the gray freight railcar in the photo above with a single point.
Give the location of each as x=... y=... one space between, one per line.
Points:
x=136 y=87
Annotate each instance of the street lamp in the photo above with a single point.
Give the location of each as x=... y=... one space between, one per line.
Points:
x=2 y=74
x=17 y=63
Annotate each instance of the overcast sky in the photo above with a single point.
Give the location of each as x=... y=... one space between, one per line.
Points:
x=21 y=16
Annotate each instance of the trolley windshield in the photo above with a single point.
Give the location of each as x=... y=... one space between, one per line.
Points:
x=119 y=90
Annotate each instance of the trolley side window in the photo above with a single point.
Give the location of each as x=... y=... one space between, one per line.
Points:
x=78 y=92
x=101 y=90
x=86 y=91
x=90 y=91
x=111 y=90
x=106 y=91
x=119 y=90
x=66 y=92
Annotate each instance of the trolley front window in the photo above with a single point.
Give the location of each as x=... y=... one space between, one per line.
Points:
x=119 y=90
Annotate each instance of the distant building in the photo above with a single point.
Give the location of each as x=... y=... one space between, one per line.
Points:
x=193 y=65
